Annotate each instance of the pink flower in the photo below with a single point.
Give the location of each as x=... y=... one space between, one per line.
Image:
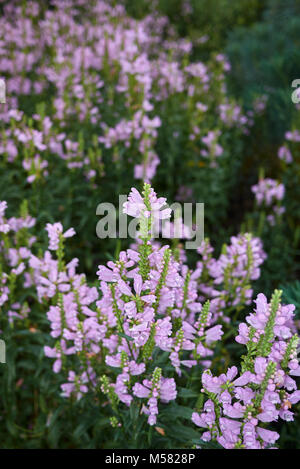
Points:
x=54 y=233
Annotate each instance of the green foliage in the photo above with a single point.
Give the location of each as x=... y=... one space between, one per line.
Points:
x=198 y=18
x=265 y=58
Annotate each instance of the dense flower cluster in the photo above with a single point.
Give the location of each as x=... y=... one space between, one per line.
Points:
x=153 y=320
x=238 y=407
x=88 y=64
x=148 y=303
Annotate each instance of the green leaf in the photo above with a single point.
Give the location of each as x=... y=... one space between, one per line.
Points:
x=183 y=434
x=125 y=336
x=187 y=393
x=178 y=411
